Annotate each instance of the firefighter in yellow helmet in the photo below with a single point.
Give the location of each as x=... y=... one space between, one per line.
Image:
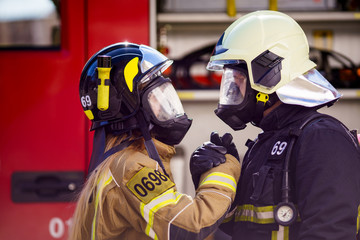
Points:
x=300 y=177
x=138 y=118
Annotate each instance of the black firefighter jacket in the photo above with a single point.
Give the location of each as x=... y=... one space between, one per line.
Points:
x=324 y=179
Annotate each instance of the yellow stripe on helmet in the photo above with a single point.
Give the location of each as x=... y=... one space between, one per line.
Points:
x=130 y=71
x=89 y=114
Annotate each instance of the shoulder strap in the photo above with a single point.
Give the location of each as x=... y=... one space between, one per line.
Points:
x=351 y=133
x=297 y=131
x=294 y=134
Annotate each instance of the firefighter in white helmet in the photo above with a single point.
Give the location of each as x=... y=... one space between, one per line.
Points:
x=300 y=177
x=138 y=118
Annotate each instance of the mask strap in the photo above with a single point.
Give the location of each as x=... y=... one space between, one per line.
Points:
x=149 y=144
x=261 y=100
x=98 y=149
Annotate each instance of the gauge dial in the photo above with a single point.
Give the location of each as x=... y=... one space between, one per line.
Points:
x=285 y=214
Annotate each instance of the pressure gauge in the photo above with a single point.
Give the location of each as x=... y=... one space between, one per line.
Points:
x=285 y=213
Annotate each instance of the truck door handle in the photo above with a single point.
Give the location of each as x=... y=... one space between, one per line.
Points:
x=45 y=186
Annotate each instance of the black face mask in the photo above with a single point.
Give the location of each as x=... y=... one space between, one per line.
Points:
x=173 y=132
x=163 y=110
x=237 y=116
x=247 y=110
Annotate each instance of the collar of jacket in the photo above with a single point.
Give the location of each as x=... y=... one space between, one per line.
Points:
x=284 y=115
x=166 y=152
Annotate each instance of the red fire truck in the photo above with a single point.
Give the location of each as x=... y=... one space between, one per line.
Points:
x=45 y=142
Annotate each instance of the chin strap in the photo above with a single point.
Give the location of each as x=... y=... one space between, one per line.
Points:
x=98 y=154
x=261 y=100
x=98 y=149
x=149 y=144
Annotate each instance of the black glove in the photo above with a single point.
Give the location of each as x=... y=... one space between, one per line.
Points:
x=204 y=158
x=225 y=141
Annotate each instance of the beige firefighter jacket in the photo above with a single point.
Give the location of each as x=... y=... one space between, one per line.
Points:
x=140 y=202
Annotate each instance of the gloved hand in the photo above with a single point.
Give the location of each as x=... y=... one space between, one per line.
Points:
x=225 y=141
x=204 y=158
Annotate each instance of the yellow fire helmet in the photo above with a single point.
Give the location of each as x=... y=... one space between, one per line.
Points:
x=276 y=53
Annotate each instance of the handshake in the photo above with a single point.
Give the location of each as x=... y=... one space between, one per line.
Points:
x=211 y=154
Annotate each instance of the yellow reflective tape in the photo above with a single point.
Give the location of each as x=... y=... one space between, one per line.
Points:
x=260 y=215
x=89 y=114
x=142 y=205
x=282 y=234
x=219 y=183
x=146 y=218
x=254 y=219
x=257 y=209
x=358 y=221
x=100 y=186
x=250 y=213
x=159 y=206
x=286 y=233
x=148 y=210
x=224 y=175
x=222 y=179
x=130 y=71
x=274 y=235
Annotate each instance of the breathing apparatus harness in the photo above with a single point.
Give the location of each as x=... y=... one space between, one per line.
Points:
x=286 y=206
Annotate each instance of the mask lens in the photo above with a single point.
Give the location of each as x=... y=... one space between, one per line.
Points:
x=233 y=87
x=165 y=103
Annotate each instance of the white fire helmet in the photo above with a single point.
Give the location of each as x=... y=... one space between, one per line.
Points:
x=276 y=52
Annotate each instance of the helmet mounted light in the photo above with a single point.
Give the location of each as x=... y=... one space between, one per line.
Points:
x=104 y=67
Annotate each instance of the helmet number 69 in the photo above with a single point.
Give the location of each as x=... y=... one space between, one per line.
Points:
x=86 y=101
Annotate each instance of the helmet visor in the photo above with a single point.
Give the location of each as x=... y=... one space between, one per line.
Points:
x=218 y=65
x=152 y=62
x=233 y=87
x=164 y=102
